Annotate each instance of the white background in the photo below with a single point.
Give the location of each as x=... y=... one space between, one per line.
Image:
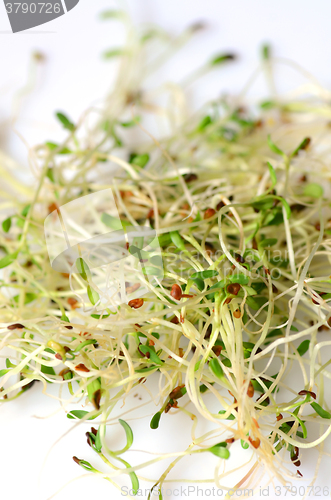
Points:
x=75 y=76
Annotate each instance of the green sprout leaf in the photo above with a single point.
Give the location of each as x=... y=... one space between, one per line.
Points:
x=25 y=210
x=152 y=271
x=244 y=444
x=177 y=240
x=303 y=145
x=111 y=53
x=262 y=202
x=220 y=450
x=86 y=465
x=93 y=296
x=204 y=123
x=268 y=242
x=133 y=476
x=249 y=290
x=163 y=240
x=84 y=344
x=222 y=58
x=313 y=190
x=275 y=149
x=152 y=354
x=230 y=417
x=63 y=151
x=29 y=297
x=7 y=260
x=47 y=370
x=203 y=275
x=266 y=52
x=79 y=414
x=83 y=269
x=112 y=14
x=9 y=364
x=285 y=204
x=274 y=217
x=139 y=253
x=97 y=442
x=66 y=123
x=216 y=368
x=303 y=347
x=93 y=387
x=112 y=222
x=303 y=427
x=98 y=316
x=139 y=160
x=273 y=176
x=68 y=375
x=240 y=278
x=219 y=286
x=50 y=175
x=134 y=481
x=268 y=104
x=128 y=433
x=154 y=424
x=320 y=411
x=148 y=369
x=200 y=284
x=131 y=123
x=6 y=225
x=256 y=303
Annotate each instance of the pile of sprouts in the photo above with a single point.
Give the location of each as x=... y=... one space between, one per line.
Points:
x=237 y=315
